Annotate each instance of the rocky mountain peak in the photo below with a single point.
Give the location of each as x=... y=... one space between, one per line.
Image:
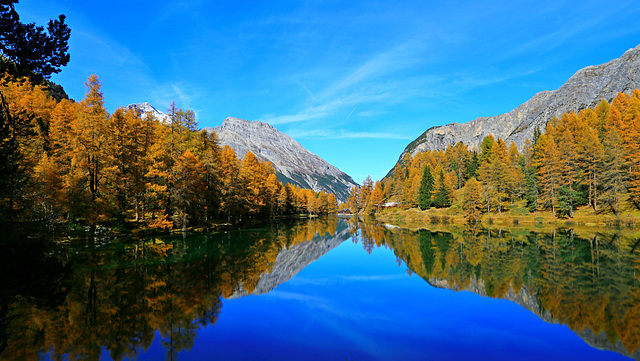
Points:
x=585 y=89
x=146 y=108
x=293 y=163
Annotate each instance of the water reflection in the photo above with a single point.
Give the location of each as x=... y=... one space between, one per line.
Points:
x=89 y=300
x=588 y=281
x=78 y=301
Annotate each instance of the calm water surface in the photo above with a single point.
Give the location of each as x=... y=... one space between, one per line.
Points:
x=325 y=289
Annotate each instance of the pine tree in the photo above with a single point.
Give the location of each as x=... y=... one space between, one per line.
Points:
x=472 y=200
x=441 y=198
x=190 y=184
x=614 y=172
x=459 y=162
x=531 y=189
x=602 y=112
x=365 y=191
x=352 y=201
x=473 y=164
x=254 y=175
x=273 y=188
x=123 y=168
x=486 y=149
x=49 y=185
x=89 y=151
x=375 y=198
x=548 y=169
x=29 y=46
x=158 y=175
x=567 y=199
x=426 y=189
x=232 y=192
x=13 y=175
x=530 y=178
x=632 y=147
x=332 y=204
x=209 y=153
x=589 y=158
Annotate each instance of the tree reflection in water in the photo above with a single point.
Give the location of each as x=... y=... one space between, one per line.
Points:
x=74 y=301
x=588 y=281
x=80 y=300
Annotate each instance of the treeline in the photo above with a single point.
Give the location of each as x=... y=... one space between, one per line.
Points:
x=72 y=161
x=589 y=158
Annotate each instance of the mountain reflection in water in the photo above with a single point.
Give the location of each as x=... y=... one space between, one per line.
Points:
x=87 y=300
x=591 y=282
x=77 y=301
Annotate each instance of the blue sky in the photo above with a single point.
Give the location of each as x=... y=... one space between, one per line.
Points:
x=352 y=81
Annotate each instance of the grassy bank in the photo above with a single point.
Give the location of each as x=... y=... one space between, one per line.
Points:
x=516 y=216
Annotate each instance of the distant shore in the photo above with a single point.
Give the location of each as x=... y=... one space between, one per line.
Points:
x=414 y=218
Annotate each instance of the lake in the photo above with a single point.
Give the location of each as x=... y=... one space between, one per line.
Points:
x=324 y=289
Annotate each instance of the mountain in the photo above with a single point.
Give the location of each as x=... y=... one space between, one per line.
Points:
x=148 y=108
x=585 y=89
x=290 y=261
x=293 y=163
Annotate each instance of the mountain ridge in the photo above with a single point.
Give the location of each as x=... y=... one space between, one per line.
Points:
x=585 y=89
x=293 y=162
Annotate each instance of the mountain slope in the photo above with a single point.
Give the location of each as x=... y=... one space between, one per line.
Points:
x=290 y=261
x=293 y=163
x=585 y=89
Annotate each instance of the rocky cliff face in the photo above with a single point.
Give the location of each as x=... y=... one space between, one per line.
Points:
x=293 y=163
x=290 y=261
x=529 y=301
x=583 y=90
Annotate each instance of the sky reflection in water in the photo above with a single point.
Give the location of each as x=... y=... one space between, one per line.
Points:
x=356 y=306
x=333 y=299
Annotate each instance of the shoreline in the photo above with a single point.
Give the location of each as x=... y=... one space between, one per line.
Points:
x=415 y=219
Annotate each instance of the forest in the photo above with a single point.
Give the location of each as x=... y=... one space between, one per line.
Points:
x=590 y=158
x=66 y=161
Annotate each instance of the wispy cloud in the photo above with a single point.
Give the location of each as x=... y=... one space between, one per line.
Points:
x=92 y=48
x=343 y=134
x=571 y=26
x=308 y=299
x=367 y=82
x=327 y=108
x=181 y=93
x=323 y=281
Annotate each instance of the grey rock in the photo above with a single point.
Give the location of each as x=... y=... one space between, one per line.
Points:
x=290 y=261
x=293 y=163
x=585 y=89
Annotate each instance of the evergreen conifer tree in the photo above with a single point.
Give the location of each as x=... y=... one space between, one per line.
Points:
x=29 y=47
x=426 y=189
x=441 y=198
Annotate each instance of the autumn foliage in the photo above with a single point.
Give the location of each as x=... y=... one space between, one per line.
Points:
x=73 y=161
x=590 y=158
